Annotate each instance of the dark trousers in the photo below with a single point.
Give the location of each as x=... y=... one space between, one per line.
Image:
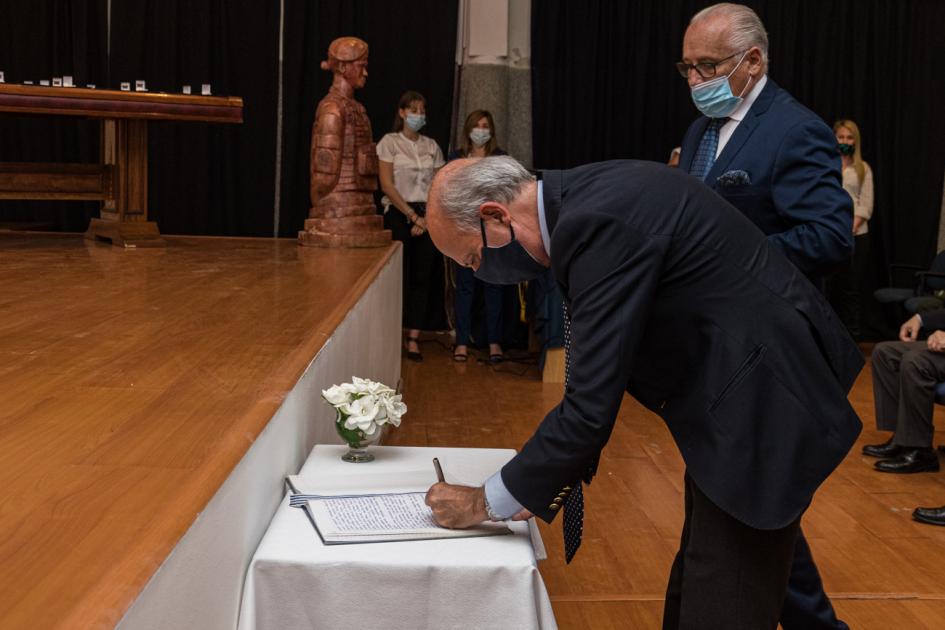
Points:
x=424 y=280
x=845 y=287
x=904 y=378
x=466 y=283
x=727 y=575
x=806 y=605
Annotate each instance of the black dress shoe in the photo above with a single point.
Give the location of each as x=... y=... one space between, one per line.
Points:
x=912 y=460
x=932 y=516
x=884 y=451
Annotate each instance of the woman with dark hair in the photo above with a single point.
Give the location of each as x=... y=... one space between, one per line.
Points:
x=478 y=140
x=407 y=163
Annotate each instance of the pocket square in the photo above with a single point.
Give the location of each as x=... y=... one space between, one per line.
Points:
x=731 y=179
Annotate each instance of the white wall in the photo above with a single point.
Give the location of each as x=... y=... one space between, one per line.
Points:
x=200 y=583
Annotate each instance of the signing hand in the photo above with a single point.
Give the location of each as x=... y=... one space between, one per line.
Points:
x=416 y=230
x=457 y=507
x=937 y=341
x=910 y=330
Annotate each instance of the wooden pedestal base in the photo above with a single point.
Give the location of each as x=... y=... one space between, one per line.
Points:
x=126 y=233
x=357 y=231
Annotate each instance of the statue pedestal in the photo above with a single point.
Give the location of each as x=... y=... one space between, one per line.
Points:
x=356 y=231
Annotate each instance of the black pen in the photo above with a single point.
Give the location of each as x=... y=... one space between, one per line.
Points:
x=439 y=471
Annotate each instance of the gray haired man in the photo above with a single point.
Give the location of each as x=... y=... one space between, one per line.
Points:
x=776 y=161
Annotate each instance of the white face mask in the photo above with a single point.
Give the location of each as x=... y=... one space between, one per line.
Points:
x=480 y=136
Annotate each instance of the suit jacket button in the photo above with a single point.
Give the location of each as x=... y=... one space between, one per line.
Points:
x=553 y=507
x=566 y=488
x=558 y=500
x=562 y=494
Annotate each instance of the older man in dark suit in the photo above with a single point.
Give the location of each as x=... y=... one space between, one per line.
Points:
x=677 y=299
x=776 y=161
x=905 y=374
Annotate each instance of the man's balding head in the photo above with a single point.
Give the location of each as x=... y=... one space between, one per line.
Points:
x=466 y=191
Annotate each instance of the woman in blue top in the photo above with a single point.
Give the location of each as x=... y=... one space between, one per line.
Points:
x=478 y=140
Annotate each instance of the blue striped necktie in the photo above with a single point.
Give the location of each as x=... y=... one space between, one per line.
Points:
x=705 y=154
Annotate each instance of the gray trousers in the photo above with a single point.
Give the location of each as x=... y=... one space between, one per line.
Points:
x=904 y=378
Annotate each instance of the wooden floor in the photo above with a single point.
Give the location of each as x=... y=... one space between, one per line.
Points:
x=131 y=383
x=882 y=569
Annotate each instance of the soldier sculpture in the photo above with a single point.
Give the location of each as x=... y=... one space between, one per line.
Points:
x=344 y=159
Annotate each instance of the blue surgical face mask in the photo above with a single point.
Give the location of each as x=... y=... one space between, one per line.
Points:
x=416 y=121
x=714 y=98
x=509 y=264
x=480 y=136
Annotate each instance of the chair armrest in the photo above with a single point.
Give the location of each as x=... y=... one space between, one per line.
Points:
x=923 y=276
x=906 y=266
x=893 y=276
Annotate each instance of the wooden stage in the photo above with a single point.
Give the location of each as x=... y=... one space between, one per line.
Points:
x=138 y=386
x=134 y=382
x=882 y=569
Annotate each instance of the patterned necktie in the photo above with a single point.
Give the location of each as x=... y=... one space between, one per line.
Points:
x=705 y=154
x=574 y=503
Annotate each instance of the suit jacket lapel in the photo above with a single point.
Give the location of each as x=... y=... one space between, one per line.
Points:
x=742 y=132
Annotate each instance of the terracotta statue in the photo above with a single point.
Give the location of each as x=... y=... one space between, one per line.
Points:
x=344 y=160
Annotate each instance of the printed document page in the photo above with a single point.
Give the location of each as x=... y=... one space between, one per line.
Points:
x=384 y=517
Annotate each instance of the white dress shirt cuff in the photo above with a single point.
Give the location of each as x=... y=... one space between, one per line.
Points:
x=500 y=500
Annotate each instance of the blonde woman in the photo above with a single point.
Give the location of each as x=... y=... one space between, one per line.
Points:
x=858 y=182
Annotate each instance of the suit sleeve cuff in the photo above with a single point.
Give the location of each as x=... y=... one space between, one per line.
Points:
x=500 y=500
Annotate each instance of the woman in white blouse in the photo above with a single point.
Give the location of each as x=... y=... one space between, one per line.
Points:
x=408 y=160
x=858 y=182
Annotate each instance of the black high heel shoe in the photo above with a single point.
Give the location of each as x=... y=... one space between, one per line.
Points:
x=411 y=354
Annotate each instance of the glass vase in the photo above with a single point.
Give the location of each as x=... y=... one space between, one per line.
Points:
x=357 y=440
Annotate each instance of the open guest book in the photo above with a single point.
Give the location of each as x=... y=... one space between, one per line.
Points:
x=387 y=512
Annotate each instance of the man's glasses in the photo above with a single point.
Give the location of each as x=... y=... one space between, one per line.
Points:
x=705 y=69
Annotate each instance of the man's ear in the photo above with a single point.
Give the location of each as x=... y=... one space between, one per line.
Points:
x=754 y=60
x=495 y=211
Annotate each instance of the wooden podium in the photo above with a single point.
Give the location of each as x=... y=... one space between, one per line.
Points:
x=120 y=179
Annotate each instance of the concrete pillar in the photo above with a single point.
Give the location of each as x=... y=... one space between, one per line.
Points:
x=494 y=53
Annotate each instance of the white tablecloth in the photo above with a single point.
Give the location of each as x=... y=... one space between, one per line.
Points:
x=295 y=581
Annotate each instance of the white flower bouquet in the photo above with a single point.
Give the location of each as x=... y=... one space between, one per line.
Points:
x=362 y=407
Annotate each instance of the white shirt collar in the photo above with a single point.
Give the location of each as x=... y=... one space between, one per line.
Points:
x=543 y=220
x=739 y=113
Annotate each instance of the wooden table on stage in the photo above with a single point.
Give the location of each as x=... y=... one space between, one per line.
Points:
x=120 y=179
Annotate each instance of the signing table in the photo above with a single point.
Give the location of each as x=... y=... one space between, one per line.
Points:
x=295 y=581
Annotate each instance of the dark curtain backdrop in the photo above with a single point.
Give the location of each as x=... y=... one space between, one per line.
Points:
x=412 y=46
x=205 y=178
x=604 y=87
x=41 y=39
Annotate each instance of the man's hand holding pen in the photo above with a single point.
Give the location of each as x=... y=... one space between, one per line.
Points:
x=459 y=507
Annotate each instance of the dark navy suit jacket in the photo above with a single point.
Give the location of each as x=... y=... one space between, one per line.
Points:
x=795 y=191
x=676 y=298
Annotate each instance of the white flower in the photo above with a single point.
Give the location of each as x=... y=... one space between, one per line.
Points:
x=393 y=409
x=365 y=404
x=336 y=395
x=366 y=386
x=361 y=414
